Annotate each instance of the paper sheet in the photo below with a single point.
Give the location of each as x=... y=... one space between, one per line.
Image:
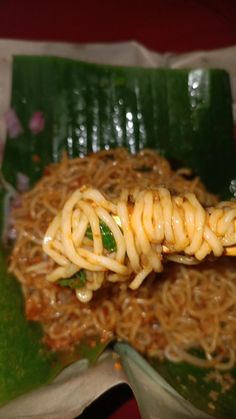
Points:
x=69 y=394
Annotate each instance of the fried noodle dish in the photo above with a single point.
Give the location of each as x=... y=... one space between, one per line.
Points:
x=92 y=239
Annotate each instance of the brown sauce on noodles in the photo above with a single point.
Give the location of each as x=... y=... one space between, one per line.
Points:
x=182 y=308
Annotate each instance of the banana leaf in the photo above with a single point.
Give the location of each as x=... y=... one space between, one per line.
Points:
x=32 y=365
x=25 y=362
x=199 y=389
x=185 y=114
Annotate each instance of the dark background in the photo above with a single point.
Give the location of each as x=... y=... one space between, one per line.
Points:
x=164 y=26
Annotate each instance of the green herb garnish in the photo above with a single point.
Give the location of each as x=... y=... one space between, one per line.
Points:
x=107 y=237
x=75 y=282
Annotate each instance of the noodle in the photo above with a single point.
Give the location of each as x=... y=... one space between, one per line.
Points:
x=186 y=308
x=183 y=222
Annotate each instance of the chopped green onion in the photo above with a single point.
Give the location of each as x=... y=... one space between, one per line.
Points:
x=107 y=237
x=75 y=282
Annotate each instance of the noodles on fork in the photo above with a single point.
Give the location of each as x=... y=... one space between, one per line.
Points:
x=151 y=224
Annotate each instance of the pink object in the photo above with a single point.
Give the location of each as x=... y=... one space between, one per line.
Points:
x=16 y=202
x=37 y=123
x=13 y=123
x=11 y=235
x=22 y=182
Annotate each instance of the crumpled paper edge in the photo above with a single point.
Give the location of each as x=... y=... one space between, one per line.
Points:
x=155 y=397
x=76 y=387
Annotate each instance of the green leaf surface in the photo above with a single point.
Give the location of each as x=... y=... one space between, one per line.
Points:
x=24 y=362
x=75 y=282
x=182 y=377
x=91 y=352
x=185 y=114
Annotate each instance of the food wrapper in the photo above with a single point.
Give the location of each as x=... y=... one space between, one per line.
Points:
x=78 y=385
x=69 y=394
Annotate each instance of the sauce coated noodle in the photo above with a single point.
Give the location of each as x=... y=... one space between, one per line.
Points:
x=187 y=307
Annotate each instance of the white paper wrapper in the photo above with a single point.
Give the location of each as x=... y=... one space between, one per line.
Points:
x=156 y=398
x=77 y=386
x=69 y=394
